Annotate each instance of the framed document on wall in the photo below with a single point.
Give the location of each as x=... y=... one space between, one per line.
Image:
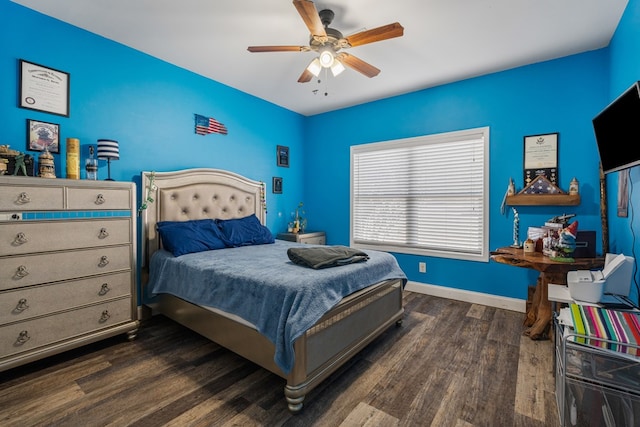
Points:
x=44 y=89
x=541 y=157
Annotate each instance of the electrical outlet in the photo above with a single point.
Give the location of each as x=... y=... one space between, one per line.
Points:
x=422 y=267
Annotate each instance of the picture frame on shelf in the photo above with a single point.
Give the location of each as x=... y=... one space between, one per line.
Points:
x=282 y=156
x=276 y=185
x=541 y=157
x=43 y=136
x=44 y=89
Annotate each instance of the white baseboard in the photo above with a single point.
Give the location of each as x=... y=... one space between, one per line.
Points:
x=506 y=303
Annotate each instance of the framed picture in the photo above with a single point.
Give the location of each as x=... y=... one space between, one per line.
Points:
x=277 y=185
x=44 y=89
x=43 y=136
x=282 y=155
x=541 y=157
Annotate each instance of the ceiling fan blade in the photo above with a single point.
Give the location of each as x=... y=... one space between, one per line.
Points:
x=358 y=64
x=376 y=34
x=278 y=48
x=305 y=77
x=310 y=16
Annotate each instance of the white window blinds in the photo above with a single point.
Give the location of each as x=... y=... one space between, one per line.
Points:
x=422 y=195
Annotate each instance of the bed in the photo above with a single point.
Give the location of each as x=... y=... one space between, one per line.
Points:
x=301 y=352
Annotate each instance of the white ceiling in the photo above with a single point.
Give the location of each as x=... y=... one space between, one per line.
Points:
x=444 y=40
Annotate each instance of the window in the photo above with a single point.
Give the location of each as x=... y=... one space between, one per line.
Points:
x=424 y=195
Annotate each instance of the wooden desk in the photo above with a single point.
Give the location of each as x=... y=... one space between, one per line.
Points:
x=538 y=318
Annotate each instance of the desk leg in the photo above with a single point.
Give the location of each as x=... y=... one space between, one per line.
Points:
x=531 y=316
x=539 y=316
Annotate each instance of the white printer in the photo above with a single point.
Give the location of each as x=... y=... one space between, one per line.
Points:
x=614 y=278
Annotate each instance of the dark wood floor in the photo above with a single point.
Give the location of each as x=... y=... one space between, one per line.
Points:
x=451 y=363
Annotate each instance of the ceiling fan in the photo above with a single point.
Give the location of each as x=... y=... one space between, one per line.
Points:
x=328 y=42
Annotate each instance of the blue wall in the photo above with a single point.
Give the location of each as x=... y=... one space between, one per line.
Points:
x=148 y=106
x=556 y=96
x=624 y=71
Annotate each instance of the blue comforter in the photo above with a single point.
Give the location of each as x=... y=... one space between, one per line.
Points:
x=260 y=284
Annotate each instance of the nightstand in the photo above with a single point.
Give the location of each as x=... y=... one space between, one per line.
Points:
x=310 y=238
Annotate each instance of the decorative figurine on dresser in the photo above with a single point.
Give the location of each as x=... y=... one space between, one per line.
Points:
x=67 y=265
x=17 y=163
x=47 y=168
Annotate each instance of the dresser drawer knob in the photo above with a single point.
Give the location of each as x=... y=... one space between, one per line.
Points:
x=23 y=198
x=103 y=233
x=104 y=289
x=20 y=239
x=23 y=338
x=100 y=199
x=104 y=260
x=22 y=306
x=21 y=272
x=105 y=316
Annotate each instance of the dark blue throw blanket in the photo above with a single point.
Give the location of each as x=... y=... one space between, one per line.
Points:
x=261 y=285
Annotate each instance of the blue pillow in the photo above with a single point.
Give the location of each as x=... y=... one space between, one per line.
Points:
x=186 y=237
x=245 y=231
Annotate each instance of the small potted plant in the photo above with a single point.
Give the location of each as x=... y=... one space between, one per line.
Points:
x=299 y=221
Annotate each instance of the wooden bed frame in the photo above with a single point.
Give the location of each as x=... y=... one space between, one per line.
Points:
x=332 y=341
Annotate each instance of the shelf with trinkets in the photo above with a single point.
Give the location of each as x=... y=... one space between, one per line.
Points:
x=542 y=192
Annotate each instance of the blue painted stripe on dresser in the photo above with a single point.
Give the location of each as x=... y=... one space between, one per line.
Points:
x=73 y=215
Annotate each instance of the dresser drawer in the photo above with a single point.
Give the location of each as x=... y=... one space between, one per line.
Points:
x=98 y=198
x=23 y=237
x=22 y=198
x=27 y=270
x=314 y=240
x=25 y=303
x=31 y=334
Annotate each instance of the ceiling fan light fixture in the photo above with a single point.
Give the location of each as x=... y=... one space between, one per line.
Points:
x=327 y=42
x=326 y=58
x=314 y=67
x=336 y=67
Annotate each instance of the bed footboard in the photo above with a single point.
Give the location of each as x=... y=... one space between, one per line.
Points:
x=339 y=335
x=331 y=342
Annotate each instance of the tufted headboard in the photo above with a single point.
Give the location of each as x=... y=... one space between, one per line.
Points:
x=195 y=194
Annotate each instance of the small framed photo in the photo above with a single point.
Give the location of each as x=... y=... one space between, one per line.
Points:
x=277 y=185
x=43 y=136
x=44 y=89
x=282 y=155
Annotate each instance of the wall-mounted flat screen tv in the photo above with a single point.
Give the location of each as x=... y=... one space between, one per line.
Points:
x=617 y=131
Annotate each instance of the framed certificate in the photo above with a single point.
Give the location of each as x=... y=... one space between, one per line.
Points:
x=44 y=89
x=541 y=157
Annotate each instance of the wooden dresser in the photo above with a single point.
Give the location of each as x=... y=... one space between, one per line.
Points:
x=67 y=265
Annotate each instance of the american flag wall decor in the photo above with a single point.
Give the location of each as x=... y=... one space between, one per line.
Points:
x=207 y=125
